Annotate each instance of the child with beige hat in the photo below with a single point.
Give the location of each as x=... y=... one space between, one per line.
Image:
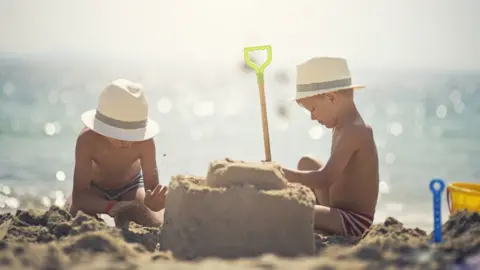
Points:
x=346 y=187
x=115 y=160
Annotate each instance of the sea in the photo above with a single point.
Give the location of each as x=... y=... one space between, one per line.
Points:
x=426 y=125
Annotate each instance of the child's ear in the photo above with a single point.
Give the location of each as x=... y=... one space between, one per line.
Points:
x=330 y=97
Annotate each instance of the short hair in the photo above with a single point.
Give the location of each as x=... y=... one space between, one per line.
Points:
x=344 y=92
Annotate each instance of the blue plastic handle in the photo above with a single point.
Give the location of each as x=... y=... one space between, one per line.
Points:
x=436 y=187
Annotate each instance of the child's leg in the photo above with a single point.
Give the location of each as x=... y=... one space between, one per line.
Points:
x=328 y=220
x=73 y=209
x=344 y=222
x=308 y=163
x=141 y=214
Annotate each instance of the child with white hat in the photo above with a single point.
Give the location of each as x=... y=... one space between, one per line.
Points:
x=115 y=159
x=346 y=187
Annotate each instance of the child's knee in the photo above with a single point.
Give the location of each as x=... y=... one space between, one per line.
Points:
x=309 y=163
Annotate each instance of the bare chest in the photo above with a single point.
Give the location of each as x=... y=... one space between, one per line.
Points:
x=113 y=160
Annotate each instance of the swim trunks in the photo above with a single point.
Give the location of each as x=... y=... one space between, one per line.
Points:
x=115 y=194
x=354 y=223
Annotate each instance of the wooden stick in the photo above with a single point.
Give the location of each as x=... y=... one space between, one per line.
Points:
x=263 y=106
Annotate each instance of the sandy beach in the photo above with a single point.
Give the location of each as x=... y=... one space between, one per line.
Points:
x=241 y=216
x=240 y=227
x=54 y=240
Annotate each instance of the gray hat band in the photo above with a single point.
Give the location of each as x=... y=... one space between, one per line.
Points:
x=119 y=123
x=311 y=87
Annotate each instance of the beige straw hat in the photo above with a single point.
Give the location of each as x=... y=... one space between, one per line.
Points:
x=122 y=113
x=321 y=75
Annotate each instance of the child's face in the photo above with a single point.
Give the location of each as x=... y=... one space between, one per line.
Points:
x=119 y=143
x=322 y=108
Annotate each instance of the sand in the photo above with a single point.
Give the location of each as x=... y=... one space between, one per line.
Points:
x=271 y=219
x=54 y=240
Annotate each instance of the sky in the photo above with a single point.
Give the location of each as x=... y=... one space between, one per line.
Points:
x=371 y=33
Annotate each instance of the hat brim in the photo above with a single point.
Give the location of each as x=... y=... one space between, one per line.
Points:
x=302 y=95
x=142 y=134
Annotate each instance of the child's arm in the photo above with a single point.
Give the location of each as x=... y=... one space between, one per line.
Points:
x=154 y=192
x=148 y=162
x=82 y=177
x=347 y=145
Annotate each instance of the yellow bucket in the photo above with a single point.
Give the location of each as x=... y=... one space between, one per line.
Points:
x=463 y=196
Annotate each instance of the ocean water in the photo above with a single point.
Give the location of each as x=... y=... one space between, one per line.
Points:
x=426 y=124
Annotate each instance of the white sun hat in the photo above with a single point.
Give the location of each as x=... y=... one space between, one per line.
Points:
x=122 y=113
x=321 y=75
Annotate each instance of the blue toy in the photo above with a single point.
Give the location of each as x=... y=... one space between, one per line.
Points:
x=436 y=187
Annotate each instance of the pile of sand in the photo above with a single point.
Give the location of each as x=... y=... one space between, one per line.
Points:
x=54 y=240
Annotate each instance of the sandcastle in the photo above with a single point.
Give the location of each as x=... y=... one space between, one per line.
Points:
x=239 y=210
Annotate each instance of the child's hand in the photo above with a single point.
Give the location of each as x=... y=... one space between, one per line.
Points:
x=155 y=200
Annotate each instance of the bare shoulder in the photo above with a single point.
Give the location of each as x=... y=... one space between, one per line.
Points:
x=147 y=144
x=147 y=147
x=85 y=140
x=358 y=132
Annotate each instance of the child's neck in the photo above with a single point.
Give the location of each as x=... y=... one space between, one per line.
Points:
x=347 y=115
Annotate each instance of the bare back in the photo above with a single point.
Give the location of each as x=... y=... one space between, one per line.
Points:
x=357 y=187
